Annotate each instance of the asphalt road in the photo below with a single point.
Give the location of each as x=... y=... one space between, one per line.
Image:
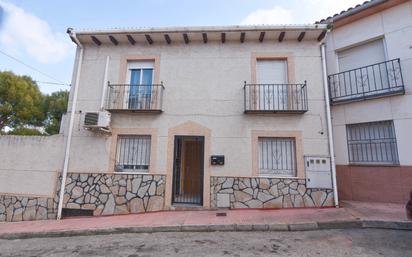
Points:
x=350 y=242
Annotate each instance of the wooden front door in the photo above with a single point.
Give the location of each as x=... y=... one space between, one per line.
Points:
x=188 y=170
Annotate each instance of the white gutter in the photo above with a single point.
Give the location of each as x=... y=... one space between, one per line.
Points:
x=198 y=29
x=105 y=82
x=73 y=37
x=329 y=124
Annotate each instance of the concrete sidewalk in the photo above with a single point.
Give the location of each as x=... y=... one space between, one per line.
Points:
x=350 y=215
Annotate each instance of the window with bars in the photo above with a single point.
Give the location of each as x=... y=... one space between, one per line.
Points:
x=372 y=143
x=277 y=156
x=133 y=153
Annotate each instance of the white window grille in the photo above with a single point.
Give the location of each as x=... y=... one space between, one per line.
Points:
x=133 y=153
x=372 y=143
x=277 y=156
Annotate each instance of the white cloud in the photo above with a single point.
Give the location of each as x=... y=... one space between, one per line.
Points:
x=276 y=15
x=24 y=32
x=299 y=11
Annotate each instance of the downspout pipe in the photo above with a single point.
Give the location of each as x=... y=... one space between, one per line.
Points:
x=73 y=37
x=329 y=124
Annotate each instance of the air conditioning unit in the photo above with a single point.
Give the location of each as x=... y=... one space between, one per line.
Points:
x=97 y=120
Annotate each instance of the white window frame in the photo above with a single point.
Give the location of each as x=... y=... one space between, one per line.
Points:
x=287 y=146
x=125 y=157
x=370 y=142
x=136 y=65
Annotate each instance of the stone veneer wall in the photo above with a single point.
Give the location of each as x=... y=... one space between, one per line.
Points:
x=105 y=194
x=240 y=192
x=108 y=194
x=19 y=208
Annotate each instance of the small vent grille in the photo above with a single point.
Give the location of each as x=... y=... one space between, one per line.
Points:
x=66 y=212
x=91 y=119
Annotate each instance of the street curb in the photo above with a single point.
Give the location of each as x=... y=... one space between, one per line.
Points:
x=228 y=227
x=306 y=226
x=303 y=226
x=195 y=228
x=279 y=227
x=398 y=225
x=340 y=224
x=167 y=229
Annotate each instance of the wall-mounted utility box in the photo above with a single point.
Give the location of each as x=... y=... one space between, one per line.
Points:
x=318 y=172
x=217 y=159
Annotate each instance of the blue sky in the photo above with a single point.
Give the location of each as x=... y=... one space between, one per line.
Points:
x=33 y=31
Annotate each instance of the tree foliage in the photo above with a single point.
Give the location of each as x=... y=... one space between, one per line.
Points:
x=21 y=102
x=56 y=106
x=23 y=107
x=25 y=132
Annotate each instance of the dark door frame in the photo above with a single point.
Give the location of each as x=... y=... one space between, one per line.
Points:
x=176 y=152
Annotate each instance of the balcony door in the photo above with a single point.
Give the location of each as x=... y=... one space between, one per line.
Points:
x=272 y=75
x=140 y=77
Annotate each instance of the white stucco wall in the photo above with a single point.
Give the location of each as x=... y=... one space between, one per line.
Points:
x=395 y=26
x=29 y=164
x=204 y=84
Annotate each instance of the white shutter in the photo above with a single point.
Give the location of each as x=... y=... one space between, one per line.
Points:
x=362 y=55
x=271 y=72
x=140 y=65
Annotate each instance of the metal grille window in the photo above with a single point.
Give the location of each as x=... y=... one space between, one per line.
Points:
x=277 y=156
x=372 y=143
x=133 y=153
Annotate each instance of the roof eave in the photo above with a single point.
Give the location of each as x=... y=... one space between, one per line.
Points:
x=206 y=29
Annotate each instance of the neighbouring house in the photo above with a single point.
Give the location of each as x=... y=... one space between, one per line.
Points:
x=175 y=118
x=205 y=116
x=369 y=61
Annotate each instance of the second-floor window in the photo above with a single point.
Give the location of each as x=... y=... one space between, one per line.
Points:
x=140 y=77
x=361 y=55
x=272 y=75
x=365 y=72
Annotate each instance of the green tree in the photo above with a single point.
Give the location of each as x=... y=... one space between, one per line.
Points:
x=21 y=102
x=25 y=132
x=56 y=106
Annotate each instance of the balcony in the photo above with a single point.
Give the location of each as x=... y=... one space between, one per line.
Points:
x=275 y=98
x=134 y=98
x=372 y=81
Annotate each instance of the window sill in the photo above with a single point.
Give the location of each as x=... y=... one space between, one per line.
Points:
x=279 y=177
x=132 y=173
x=374 y=165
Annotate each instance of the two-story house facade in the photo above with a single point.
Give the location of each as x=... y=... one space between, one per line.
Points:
x=369 y=61
x=205 y=116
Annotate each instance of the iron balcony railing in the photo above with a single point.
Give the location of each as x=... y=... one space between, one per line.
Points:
x=270 y=98
x=372 y=81
x=130 y=97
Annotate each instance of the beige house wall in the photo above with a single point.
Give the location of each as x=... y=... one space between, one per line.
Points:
x=203 y=96
x=29 y=165
x=203 y=84
x=394 y=25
